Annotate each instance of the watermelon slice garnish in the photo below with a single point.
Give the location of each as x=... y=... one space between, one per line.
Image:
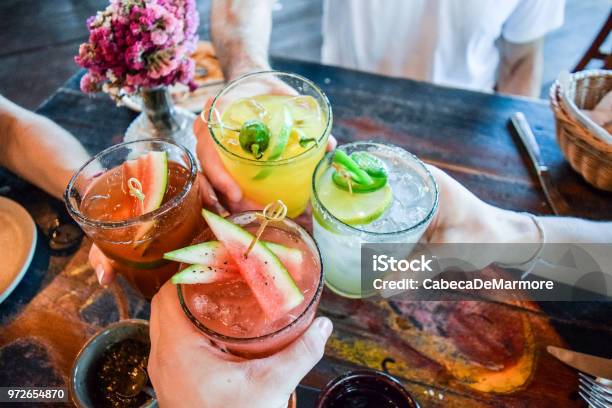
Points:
x=290 y=257
x=149 y=174
x=213 y=253
x=204 y=274
x=269 y=280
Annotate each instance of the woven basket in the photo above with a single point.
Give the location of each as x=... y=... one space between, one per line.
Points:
x=588 y=155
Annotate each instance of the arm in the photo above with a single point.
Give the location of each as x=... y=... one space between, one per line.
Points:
x=520 y=69
x=566 y=229
x=240 y=31
x=37 y=149
x=464 y=218
x=593 y=237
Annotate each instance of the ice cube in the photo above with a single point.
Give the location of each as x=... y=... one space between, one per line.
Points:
x=304 y=110
x=405 y=187
x=246 y=109
x=204 y=306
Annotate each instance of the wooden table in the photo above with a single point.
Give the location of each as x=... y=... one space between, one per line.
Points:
x=59 y=304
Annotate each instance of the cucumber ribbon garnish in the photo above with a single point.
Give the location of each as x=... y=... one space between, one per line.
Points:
x=360 y=172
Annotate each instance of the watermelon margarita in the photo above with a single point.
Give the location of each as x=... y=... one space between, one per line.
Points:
x=271 y=129
x=136 y=201
x=253 y=306
x=392 y=199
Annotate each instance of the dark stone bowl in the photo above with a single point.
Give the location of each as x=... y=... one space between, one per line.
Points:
x=92 y=350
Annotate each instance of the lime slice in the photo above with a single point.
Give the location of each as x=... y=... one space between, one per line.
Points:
x=280 y=126
x=353 y=209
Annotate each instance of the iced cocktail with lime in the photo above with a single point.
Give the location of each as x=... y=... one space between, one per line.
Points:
x=250 y=297
x=367 y=192
x=271 y=129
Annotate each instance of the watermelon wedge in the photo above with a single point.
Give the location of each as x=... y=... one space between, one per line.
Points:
x=213 y=253
x=290 y=257
x=271 y=283
x=204 y=274
x=151 y=171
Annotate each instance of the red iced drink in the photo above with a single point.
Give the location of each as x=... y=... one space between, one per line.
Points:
x=230 y=313
x=134 y=231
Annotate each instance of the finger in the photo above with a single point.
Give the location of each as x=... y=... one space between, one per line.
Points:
x=170 y=314
x=166 y=311
x=290 y=365
x=278 y=87
x=154 y=327
x=331 y=143
x=101 y=265
x=245 y=205
x=212 y=165
x=209 y=197
x=169 y=311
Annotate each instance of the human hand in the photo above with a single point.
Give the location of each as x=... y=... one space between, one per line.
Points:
x=103 y=266
x=214 y=169
x=187 y=371
x=463 y=218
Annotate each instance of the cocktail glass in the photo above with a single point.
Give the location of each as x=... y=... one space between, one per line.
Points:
x=365 y=388
x=98 y=198
x=228 y=313
x=287 y=177
x=415 y=200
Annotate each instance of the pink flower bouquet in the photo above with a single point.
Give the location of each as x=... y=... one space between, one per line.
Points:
x=135 y=44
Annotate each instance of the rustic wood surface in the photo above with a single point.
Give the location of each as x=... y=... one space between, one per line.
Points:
x=51 y=31
x=59 y=304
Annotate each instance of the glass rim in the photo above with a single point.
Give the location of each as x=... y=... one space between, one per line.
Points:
x=245 y=340
x=425 y=219
x=236 y=82
x=364 y=373
x=167 y=206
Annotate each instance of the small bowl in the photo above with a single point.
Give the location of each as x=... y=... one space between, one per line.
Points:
x=92 y=350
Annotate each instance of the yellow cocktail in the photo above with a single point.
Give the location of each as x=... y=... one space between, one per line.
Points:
x=271 y=129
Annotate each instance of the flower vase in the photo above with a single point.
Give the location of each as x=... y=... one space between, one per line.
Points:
x=160 y=119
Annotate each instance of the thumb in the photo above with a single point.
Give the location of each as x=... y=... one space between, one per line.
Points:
x=292 y=364
x=101 y=265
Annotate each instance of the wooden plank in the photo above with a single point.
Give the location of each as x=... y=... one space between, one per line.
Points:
x=30 y=28
x=26 y=78
x=364 y=336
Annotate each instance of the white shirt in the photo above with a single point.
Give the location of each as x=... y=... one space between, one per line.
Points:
x=449 y=42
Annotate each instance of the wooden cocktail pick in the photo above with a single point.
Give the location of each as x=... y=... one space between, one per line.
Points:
x=136 y=190
x=275 y=211
x=345 y=175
